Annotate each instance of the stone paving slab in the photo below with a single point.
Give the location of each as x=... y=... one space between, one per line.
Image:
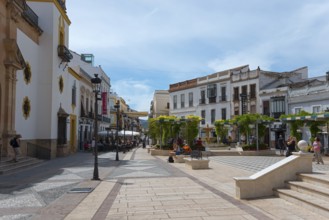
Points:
x=141 y=186
x=182 y=193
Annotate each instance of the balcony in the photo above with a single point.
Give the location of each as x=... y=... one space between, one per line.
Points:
x=202 y=101
x=64 y=53
x=236 y=97
x=277 y=115
x=29 y=15
x=212 y=99
x=222 y=98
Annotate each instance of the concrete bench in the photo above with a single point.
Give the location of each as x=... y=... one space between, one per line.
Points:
x=180 y=158
x=196 y=154
x=197 y=164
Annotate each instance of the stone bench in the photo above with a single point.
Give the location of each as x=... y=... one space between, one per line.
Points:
x=196 y=164
x=179 y=158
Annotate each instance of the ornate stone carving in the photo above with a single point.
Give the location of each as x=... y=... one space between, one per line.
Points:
x=61 y=84
x=26 y=107
x=27 y=73
x=14 y=56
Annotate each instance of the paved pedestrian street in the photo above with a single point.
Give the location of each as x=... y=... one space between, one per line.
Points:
x=140 y=186
x=257 y=163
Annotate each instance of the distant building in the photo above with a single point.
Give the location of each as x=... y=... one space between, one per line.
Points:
x=159 y=104
x=231 y=92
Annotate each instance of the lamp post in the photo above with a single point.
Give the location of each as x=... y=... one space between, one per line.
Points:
x=117 y=106
x=124 y=130
x=96 y=84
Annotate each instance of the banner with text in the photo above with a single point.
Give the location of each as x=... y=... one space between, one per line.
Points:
x=104 y=103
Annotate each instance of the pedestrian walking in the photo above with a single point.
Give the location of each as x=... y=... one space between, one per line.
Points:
x=291 y=145
x=281 y=145
x=317 y=150
x=15 y=143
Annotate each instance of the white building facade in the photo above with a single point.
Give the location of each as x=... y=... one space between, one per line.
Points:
x=46 y=116
x=225 y=94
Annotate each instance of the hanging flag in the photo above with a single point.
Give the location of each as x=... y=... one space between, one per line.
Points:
x=104 y=103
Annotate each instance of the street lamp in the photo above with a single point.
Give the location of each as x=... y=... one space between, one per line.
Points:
x=124 y=130
x=117 y=106
x=96 y=84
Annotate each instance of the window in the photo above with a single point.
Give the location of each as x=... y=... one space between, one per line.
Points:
x=213 y=115
x=223 y=113
x=252 y=109
x=223 y=93
x=203 y=97
x=87 y=105
x=244 y=90
x=253 y=91
x=278 y=106
x=212 y=91
x=182 y=100
x=266 y=108
x=74 y=94
x=175 y=101
x=316 y=109
x=298 y=110
x=190 y=99
x=236 y=94
x=203 y=116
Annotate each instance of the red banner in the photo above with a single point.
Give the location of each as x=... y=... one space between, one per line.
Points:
x=104 y=103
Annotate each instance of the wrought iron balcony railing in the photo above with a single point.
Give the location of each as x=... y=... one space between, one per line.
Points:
x=30 y=16
x=202 y=101
x=64 y=53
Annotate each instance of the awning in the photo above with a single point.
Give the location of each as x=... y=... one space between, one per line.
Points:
x=128 y=133
x=314 y=117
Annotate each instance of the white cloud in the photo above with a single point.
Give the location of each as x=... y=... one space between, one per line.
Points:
x=137 y=94
x=167 y=41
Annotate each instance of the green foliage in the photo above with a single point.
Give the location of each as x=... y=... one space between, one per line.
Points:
x=244 y=122
x=221 y=128
x=190 y=128
x=297 y=124
x=154 y=130
x=166 y=127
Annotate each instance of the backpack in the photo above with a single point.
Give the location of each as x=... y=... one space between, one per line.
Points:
x=170 y=159
x=12 y=142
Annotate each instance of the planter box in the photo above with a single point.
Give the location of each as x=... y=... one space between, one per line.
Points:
x=180 y=158
x=197 y=164
x=156 y=152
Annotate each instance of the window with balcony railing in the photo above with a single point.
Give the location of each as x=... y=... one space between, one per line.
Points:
x=222 y=98
x=236 y=94
x=182 y=100
x=278 y=106
x=203 y=116
x=175 y=101
x=253 y=91
x=212 y=99
x=64 y=53
x=190 y=99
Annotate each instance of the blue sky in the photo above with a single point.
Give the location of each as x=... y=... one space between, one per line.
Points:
x=146 y=45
